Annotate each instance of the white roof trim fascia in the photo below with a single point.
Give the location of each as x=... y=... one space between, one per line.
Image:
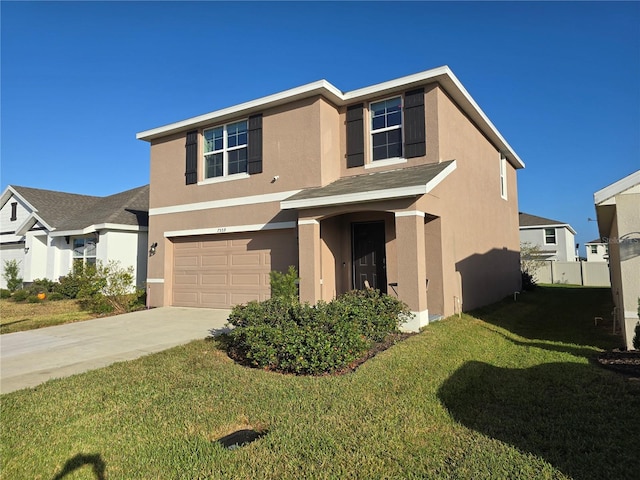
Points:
x=615 y=188
x=371 y=195
x=320 y=87
x=230 y=229
x=227 y=202
x=100 y=226
x=554 y=225
x=9 y=192
x=410 y=213
x=443 y=75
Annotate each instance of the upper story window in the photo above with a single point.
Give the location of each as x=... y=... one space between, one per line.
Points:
x=225 y=150
x=503 y=176
x=14 y=211
x=386 y=129
x=84 y=250
x=594 y=249
x=550 y=236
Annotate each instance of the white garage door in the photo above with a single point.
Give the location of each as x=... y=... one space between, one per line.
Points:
x=219 y=271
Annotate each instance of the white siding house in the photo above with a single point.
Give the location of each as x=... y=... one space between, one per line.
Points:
x=45 y=231
x=597 y=251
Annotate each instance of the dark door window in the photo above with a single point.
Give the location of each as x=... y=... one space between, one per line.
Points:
x=369 y=262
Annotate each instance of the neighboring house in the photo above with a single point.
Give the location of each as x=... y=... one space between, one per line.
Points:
x=597 y=251
x=45 y=231
x=405 y=185
x=618 y=214
x=556 y=240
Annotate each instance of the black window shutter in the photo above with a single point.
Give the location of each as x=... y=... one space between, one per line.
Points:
x=254 y=149
x=191 y=171
x=355 y=136
x=414 y=125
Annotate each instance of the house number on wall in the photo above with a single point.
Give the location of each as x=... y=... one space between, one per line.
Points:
x=221 y=230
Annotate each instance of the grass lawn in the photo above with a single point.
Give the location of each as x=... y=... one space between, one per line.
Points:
x=508 y=393
x=16 y=317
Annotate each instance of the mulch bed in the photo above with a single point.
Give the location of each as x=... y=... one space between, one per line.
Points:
x=626 y=362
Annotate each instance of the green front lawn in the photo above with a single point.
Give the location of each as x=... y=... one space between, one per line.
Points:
x=20 y=316
x=508 y=393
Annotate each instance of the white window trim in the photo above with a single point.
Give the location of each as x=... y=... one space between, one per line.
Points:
x=387 y=161
x=555 y=236
x=225 y=155
x=503 y=176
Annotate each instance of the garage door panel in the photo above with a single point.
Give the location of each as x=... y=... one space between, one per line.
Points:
x=219 y=271
x=190 y=280
x=220 y=279
x=246 y=259
x=187 y=261
x=215 y=260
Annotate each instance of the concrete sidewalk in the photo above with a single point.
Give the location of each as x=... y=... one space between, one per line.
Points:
x=30 y=358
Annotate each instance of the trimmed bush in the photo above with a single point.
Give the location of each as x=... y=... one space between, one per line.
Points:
x=4 y=293
x=33 y=299
x=20 y=295
x=303 y=339
x=55 y=296
x=528 y=281
x=41 y=285
x=285 y=285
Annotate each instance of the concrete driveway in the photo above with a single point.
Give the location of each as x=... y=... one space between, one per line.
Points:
x=30 y=358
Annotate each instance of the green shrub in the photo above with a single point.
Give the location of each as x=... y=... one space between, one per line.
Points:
x=55 y=296
x=33 y=299
x=528 y=281
x=636 y=337
x=41 y=285
x=11 y=274
x=303 y=339
x=20 y=295
x=68 y=286
x=4 y=293
x=285 y=285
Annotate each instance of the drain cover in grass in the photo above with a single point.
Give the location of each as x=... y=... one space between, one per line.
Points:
x=239 y=438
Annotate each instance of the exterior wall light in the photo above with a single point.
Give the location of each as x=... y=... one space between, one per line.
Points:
x=152 y=249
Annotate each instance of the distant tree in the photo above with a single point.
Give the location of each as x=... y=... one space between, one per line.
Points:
x=530 y=258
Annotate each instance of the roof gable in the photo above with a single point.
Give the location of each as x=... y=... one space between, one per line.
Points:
x=62 y=211
x=527 y=220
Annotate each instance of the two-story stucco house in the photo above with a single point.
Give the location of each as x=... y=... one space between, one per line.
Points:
x=555 y=239
x=405 y=184
x=46 y=231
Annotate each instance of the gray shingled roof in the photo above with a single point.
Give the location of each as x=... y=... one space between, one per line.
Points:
x=69 y=211
x=527 y=220
x=369 y=182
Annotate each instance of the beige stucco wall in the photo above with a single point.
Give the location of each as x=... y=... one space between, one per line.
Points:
x=479 y=229
x=628 y=239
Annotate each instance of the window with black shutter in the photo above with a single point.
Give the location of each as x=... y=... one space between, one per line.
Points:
x=14 y=211
x=355 y=136
x=191 y=147
x=414 y=124
x=255 y=145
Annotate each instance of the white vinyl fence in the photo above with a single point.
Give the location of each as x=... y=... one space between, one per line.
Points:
x=590 y=274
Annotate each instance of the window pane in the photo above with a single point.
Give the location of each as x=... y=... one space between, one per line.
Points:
x=213 y=165
x=78 y=247
x=394 y=119
x=394 y=150
x=90 y=261
x=379 y=139
x=378 y=109
x=238 y=161
x=213 y=139
x=377 y=122
x=394 y=136
x=90 y=250
x=380 y=153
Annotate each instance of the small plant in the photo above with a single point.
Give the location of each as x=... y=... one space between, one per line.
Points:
x=41 y=285
x=11 y=274
x=285 y=285
x=34 y=299
x=4 y=293
x=55 y=296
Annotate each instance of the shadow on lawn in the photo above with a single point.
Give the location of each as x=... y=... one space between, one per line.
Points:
x=79 y=461
x=579 y=420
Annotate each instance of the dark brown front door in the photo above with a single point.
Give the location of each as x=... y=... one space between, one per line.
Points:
x=369 y=262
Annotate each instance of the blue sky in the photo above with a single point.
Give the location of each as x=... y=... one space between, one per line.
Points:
x=561 y=81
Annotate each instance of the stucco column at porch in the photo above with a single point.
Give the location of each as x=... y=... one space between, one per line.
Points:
x=309 y=260
x=412 y=278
